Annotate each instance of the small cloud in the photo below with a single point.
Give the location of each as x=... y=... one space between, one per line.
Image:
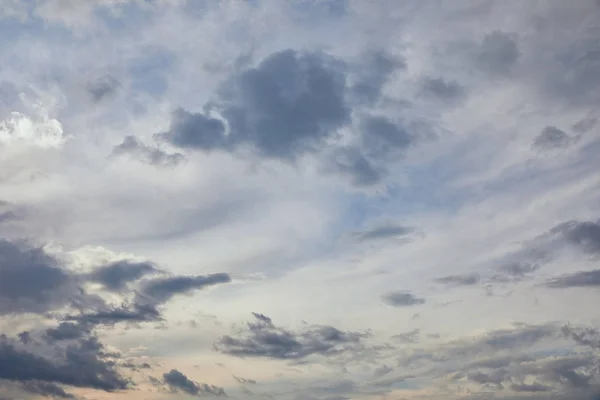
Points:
x=262 y=338
x=402 y=299
x=384 y=232
x=133 y=147
x=552 y=138
x=577 y=279
x=497 y=53
x=408 y=337
x=381 y=371
x=178 y=382
x=459 y=280
x=442 y=89
x=117 y=275
x=244 y=381
x=102 y=87
x=514 y=272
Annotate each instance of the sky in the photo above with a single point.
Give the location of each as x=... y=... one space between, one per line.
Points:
x=300 y=200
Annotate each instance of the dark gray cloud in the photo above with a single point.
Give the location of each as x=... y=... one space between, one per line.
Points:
x=133 y=147
x=66 y=331
x=459 y=280
x=585 y=125
x=585 y=235
x=402 y=299
x=261 y=338
x=384 y=232
x=160 y=290
x=32 y=281
x=82 y=363
x=497 y=53
x=195 y=131
x=286 y=106
x=381 y=136
x=552 y=138
x=46 y=389
x=577 y=279
x=443 y=89
x=179 y=382
x=102 y=87
x=117 y=275
x=374 y=74
x=150 y=294
x=534 y=387
x=113 y=315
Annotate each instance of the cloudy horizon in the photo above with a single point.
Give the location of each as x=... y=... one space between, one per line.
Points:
x=303 y=200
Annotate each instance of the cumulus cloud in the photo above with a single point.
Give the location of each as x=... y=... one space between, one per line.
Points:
x=262 y=338
x=287 y=105
x=52 y=288
x=133 y=147
x=459 y=280
x=82 y=363
x=117 y=275
x=43 y=132
x=577 y=279
x=384 y=232
x=179 y=382
x=402 y=299
x=552 y=138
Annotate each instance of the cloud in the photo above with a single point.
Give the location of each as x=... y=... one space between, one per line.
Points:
x=81 y=363
x=497 y=53
x=179 y=382
x=117 y=275
x=534 y=387
x=40 y=132
x=381 y=371
x=47 y=389
x=552 y=138
x=286 y=106
x=261 y=338
x=577 y=279
x=459 y=280
x=160 y=290
x=102 y=87
x=374 y=74
x=133 y=147
x=66 y=331
x=408 y=337
x=442 y=89
x=583 y=336
x=384 y=232
x=402 y=299
x=513 y=272
x=113 y=315
x=244 y=381
x=585 y=235
x=50 y=288
x=195 y=131
x=351 y=162
x=381 y=136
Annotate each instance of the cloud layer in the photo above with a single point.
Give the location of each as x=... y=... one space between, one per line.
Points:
x=303 y=200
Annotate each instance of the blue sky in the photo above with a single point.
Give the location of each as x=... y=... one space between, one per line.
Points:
x=304 y=200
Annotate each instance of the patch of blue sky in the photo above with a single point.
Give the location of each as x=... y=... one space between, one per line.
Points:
x=150 y=70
